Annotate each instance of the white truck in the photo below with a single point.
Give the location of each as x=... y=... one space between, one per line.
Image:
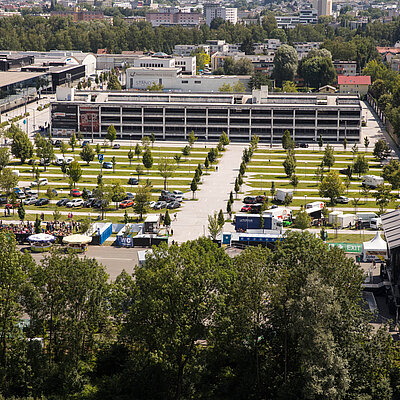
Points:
x=281 y=194
x=346 y=220
x=282 y=213
x=376 y=223
x=372 y=181
x=364 y=218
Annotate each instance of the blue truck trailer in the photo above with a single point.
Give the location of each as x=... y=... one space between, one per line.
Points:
x=244 y=221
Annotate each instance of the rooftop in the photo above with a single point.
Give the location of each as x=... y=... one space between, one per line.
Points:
x=354 y=80
x=391 y=227
x=11 y=77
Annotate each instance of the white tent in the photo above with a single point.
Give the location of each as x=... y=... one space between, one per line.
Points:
x=374 y=249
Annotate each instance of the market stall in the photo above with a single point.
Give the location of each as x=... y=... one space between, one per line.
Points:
x=375 y=249
x=77 y=242
x=41 y=242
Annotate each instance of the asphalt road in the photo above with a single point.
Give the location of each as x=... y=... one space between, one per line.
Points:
x=114 y=259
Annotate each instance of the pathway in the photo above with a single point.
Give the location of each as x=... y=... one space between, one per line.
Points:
x=192 y=220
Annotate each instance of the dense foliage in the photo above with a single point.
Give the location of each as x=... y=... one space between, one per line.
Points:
x=37 y=33
x=192 y=323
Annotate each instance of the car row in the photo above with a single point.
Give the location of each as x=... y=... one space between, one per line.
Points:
x=253 y=199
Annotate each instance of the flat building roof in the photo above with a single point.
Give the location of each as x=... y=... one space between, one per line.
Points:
x=12 y=77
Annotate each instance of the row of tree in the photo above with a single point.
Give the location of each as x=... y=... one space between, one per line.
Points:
x=192 y=323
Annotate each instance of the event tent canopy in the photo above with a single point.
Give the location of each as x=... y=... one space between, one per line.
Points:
x=77 y=239
x=374 y=247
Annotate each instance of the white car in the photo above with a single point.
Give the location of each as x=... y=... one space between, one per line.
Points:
x=68 y=160
x=30 y=200
x=178 y=193
x=42 y=182
x=177 y=197
x=152 y=204
x=75 y=203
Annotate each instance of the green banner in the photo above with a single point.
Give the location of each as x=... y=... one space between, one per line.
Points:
x=348 y=247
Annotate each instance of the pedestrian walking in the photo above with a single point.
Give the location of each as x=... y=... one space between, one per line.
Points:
x=175 y=216
x=216 y=168
x=172 y=232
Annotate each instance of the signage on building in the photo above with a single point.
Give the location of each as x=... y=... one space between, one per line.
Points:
x=89 y=119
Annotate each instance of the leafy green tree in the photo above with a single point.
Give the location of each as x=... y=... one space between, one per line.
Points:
x=258 y=79
x=139 y=170
x=113 y=162
x=87 y=154
x=224 y=139
x=331 y=186
x=21 y=211
x=152 y=139
x=287 y=141
x=138 y=150
x=72 y=141
x=272 y=189
x=221 y=218
x=8 y=181
x=166 y=168
x=4 y=157
x=186 y=152
x=141 y=200
x=188 y=283
x=320 y=142
x=214 y=227
x=289 y=165
x=192 y=139
x=303 y=220
x=285 y=64
x=360 y=165
x=155 y=87
x=294 y=180
x=231 y=199
x=145 y=142
x=21 y=146
x=147 y=159
x=193 y=187
x=111 y=134
x=366 y=143
x=103 y=194
x=98 y=148
x=383 y=197
x=44 y=150
x=381 y=149
x=289 y=87
x=130 y=156
x=229 y=208
x=167 y=218
x=328 y=158
x=74 y=172
x=354 y=150
x=113 y=83
x=225 y=88
x=318 y=71
x=117 y=193
x=237 y=187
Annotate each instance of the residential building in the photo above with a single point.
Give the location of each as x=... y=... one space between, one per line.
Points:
x=172 y=116
x=171 y=78
x=354 y=84
x=187 y=49
x=303 y=48
x=387 y=53
x=170 y=19
x=212 y=11
x=345 y=67
x=80 y=15
x=323 y=7
x=305 y=17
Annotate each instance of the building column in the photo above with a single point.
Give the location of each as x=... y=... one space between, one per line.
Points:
x=316 y=126
x=120 y=122
x=185 y=123
x=229 y=124
x=206 y=123
x=272 y=127
x=142 y=122
x=294 y=125
x=250 y=132
x=338 y=127
x=163 y=127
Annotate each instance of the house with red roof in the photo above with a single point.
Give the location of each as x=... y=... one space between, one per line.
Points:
x=354 y=84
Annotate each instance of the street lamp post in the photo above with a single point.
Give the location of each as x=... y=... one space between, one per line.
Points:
x=305 y=201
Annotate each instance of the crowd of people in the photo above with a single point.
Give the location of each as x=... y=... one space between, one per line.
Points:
x=55 y=228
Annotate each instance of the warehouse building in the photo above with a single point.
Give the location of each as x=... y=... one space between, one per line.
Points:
x=172 y=116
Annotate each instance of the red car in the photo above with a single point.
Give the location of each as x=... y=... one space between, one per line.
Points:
x=75 y=193
x=9 y=205
x=126 y=204
x=246 y=208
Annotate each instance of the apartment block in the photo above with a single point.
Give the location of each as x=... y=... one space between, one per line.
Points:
x=212 y=11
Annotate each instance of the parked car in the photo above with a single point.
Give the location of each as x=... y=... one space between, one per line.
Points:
x=249 y=200
x=20 y=195
x=42 y=182
x=68 y=160
x=116 y=146
x=175 y=197
x=342 y=200
x=126 y=204
x=173 y=205
x=41 y=202
x=260 y=199
x=152 y=204
x=75 y=193
x=246 y=208
x=133 y=181
x=178 y=193
x=30 y=200
x=3 y=200
x=107 y=165
x=89 y=202
x=129 y=196
x=57 y=143
x=87 y=193
x=304 y=145
x=160 y=205
x=62 y=202
x=255 y=208
x=85 y=142
x=75 y=203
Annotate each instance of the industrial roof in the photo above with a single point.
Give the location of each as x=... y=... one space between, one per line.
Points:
x=354 y=80
x=11 y=77
x=391 y=227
